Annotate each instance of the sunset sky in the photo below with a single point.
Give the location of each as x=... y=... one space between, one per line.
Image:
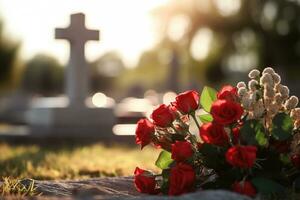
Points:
x=125 y=26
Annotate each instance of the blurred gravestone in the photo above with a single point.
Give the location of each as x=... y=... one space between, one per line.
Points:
x=75 y=118
x=13 y=106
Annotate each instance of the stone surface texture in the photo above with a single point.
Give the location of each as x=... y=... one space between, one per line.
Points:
x=116 y=188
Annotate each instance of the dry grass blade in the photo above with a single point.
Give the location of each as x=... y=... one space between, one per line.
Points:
x=16 y=187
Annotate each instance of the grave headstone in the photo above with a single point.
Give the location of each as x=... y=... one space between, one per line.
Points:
x=13 y=107
x=75 y=119
x=77 y=73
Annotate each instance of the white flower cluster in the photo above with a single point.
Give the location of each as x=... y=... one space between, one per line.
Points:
x=265 y=96
x=295 y=114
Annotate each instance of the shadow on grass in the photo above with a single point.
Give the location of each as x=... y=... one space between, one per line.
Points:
x=18 y=164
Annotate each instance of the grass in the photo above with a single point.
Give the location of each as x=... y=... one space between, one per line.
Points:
x=71 y=161
x=14 y=187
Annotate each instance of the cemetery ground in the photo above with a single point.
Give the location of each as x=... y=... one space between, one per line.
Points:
x=68 y=161
x=71 y=160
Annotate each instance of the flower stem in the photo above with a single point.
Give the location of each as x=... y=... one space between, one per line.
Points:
x=173 y=127
x=188 y=133
x=194 y=117
x=230 y=136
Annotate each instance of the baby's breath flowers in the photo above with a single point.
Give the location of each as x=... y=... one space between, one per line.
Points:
x=265 y=96
x=291 y=103
x=295 y=115
x=241 y=84
x=254 y=74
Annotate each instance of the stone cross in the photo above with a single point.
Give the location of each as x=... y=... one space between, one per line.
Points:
x=77 y=76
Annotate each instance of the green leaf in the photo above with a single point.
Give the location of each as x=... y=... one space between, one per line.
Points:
x=266 y=186
x=165 y=180
x=205 y=118
x=164 y=160
x=261 y=138
x=208 y=96
x=252 y=133
x=282 y=127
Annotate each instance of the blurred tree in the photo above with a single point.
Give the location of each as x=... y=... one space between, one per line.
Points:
x=105 y=71
x=43 y=75
x=8 y=58
x=224 y=39
x=150 y=72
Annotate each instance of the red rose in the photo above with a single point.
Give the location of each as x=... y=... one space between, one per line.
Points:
x=236 y=134
x=226 y=112
x=174 y=110
x=144 y=132
x=228 y=93
x=182 y=179
x=213 y=133
x=241 y=156
x=163 y=116
x=187 y=102
x=144 y=183
x=181 y=150
x=296 y=160
x=244 y=187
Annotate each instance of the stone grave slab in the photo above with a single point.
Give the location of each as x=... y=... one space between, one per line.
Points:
x=71 y=122
x=117 y=188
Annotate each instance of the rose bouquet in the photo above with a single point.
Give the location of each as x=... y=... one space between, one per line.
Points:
x=248 y=141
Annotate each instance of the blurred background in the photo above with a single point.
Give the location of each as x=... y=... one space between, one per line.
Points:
x=148 y=50
x=162 y=45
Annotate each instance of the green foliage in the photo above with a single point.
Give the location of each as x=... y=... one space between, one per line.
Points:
x=205 y=118
x=208 y=96
x=165 y=180
x=266 y=186
x=43 y=75
x=164 y=160
x=105 y=72
x=252 y=132
x=8 y=57
x=282 y=127
x=266 y=40
x=261 y=138
x=150 y=72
